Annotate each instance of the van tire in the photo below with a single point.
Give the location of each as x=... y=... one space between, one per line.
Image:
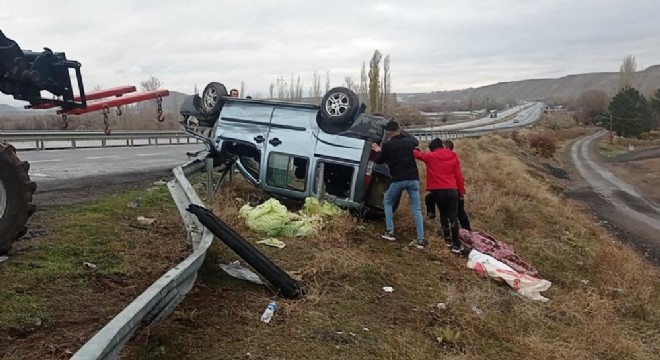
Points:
x=211 y=99
x=338 y=110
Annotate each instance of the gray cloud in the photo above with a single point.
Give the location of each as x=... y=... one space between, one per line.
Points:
x=434 y=45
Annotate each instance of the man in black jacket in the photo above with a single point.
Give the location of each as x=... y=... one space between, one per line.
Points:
x=397 y=153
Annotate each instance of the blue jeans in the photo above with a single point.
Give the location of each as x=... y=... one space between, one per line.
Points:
x=394 y=192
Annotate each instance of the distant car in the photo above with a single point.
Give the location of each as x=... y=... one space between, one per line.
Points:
x=279 y=146
x=515 y=121
x=493 y=114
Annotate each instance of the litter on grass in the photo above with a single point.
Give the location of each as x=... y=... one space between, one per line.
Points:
x=235 y=269
x=272 y=242
x=145 y=221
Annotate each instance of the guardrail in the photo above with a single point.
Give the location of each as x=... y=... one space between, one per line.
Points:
x=43 y=139
x=83 y=139
x=164 y=295
x=428 y=135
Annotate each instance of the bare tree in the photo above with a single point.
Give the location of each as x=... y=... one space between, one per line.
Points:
x=292 y=88
x=348 y=81
x=374 y=81
x=271 y=89
x=299 y=89
x=627 y=71
x=152 y=83
x=315 y=91
x=387 y=84
x=590 y=104
x=242 y=93
x=363 y=83
x=281 y=88
x=327 y=81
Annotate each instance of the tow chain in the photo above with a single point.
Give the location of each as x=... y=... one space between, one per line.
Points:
x=65 y=123
x=106 y=123
x=159 y=108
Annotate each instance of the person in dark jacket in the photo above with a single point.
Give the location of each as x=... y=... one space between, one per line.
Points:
x=444 y=178
x=397 y=153
x=463 y=219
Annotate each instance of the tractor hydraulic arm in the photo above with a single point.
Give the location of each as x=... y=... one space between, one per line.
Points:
x=24 y=74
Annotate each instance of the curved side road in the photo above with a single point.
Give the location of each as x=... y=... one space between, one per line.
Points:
x=617 y=192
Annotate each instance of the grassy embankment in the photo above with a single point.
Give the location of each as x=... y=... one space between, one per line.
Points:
x=605 y=299
x=59 y=288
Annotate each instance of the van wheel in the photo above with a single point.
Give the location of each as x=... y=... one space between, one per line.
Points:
x=338 y=110
x=211 y=99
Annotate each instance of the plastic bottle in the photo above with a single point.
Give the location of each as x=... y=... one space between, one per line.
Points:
x=268 y=313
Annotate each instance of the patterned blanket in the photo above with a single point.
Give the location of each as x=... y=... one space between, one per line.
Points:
x=488 y=244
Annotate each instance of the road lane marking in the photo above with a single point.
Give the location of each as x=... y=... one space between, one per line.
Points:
x=43 y=161
x=101 y=157
x=156 y=154
x=39 y=175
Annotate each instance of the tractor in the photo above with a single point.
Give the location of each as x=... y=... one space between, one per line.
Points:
x=24 y=75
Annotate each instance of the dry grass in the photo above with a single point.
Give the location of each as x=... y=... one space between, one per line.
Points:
x=605 y=299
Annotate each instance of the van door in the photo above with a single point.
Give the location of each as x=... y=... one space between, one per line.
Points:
x=289 y=153
x=243 y=130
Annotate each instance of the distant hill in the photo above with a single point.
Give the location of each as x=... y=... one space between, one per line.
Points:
x=566 y=87
x=8 y=109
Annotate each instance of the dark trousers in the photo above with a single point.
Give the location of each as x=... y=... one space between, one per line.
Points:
x=463 y=219
x=447 y=201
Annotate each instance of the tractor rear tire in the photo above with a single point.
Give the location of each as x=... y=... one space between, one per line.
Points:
x=16 y=191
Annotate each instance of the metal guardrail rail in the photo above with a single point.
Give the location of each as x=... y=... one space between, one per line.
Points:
x=41 y=137
x=162 y=297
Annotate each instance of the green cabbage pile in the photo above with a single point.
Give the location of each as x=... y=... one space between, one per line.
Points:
x=274 y=219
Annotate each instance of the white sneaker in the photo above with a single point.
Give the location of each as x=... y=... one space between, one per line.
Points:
x=388 y=236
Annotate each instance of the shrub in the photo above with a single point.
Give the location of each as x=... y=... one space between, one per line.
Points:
x=542 y=144
x=519 y=138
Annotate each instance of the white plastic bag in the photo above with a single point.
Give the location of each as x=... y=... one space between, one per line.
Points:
x=525 y=285
x=235 y=269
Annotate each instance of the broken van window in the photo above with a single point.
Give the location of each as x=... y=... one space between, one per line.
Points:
x=337 y=178
x=286 y=172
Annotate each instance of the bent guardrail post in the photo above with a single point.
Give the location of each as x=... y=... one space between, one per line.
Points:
x=157 y=301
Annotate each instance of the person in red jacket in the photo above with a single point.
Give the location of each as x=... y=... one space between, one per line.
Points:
x=444 y=179
x=463 y=219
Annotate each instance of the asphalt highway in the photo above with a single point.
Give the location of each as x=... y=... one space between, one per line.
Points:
x=60 y=165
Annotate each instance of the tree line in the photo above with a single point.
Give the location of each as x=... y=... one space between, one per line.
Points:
x=374 y=87
x=629 y=112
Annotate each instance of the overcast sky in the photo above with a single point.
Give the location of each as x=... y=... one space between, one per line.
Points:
x=434 y=45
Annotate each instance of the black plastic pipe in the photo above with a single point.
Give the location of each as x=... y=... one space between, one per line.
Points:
x=285 y=285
